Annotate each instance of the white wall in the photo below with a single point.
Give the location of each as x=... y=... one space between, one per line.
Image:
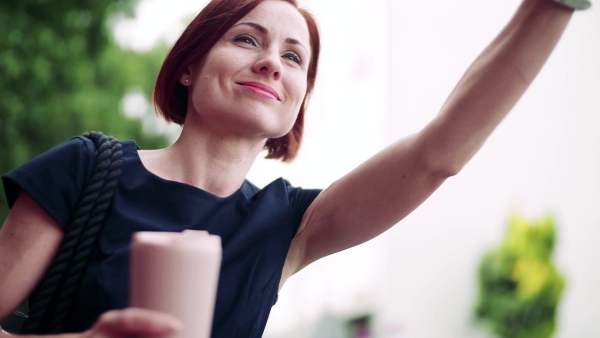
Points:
x=387 y=67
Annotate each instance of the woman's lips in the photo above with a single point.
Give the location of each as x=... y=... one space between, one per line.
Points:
x=261 y=89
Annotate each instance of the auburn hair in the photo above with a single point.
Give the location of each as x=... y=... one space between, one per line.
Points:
x=171 y=97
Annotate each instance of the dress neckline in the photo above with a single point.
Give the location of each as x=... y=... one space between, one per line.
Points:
x=130 y=152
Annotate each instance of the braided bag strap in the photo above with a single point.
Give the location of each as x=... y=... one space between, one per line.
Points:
x=50 y=302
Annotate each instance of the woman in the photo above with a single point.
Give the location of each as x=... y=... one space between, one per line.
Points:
x=238 y=80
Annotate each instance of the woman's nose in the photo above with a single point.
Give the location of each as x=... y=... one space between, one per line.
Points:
x=269 y=64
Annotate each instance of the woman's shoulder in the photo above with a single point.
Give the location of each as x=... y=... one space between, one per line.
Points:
x=281 y=188
x=79 y=152
x=54 y=178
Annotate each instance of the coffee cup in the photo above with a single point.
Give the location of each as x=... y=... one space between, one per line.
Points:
x=177 y=273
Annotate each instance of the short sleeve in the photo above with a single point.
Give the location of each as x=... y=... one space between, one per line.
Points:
x=54 y=179
x=301 y=199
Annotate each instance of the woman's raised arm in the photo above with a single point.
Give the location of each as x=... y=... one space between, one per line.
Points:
x=387 y=187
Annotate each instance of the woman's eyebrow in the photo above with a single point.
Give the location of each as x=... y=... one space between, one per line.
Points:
x=256 y=26
x=263 y=30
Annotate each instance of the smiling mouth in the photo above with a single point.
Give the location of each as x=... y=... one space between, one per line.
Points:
x=260 y=89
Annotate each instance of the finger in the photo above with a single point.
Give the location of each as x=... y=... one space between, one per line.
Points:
x=139 y=322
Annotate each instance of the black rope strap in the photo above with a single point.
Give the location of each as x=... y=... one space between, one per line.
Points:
x=50 y=302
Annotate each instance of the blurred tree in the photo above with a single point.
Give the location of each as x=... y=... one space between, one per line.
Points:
x=519 y=286
x=62 y=74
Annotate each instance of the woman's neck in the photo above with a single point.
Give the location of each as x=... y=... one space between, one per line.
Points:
x=209 y=161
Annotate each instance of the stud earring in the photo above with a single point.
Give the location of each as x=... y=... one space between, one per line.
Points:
x=187 y=80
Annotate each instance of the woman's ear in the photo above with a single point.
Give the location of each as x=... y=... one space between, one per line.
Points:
x=186 y=78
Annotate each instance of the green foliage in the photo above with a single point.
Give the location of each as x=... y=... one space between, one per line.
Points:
x=62 y=74
x=519 y=286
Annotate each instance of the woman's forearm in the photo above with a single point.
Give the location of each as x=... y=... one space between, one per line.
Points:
x=129 y=322
x=494 y=83
x=4 y=334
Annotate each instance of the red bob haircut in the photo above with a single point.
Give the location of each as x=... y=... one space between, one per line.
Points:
x=171 y=97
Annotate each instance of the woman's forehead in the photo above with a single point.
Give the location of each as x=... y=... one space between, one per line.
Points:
x=279 y=18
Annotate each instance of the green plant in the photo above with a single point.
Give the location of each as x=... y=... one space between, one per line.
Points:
x=519 y=286
x=62 y=73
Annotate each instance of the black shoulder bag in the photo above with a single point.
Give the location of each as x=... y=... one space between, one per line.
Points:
x=49 y=303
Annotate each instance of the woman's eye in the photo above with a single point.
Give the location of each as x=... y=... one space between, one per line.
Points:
x=244 y=38
x=293 y=57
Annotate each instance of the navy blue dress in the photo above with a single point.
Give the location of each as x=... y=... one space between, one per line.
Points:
x=256 y=227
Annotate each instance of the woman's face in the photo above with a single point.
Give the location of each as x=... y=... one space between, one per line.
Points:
x=253 y=80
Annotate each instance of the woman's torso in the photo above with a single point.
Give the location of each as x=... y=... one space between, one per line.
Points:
x=256 y=228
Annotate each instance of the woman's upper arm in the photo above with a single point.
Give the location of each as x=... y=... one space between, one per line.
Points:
x=365 y=202
x=29 y=240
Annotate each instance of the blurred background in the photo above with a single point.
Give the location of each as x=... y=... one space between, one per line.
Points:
x=506 y=248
